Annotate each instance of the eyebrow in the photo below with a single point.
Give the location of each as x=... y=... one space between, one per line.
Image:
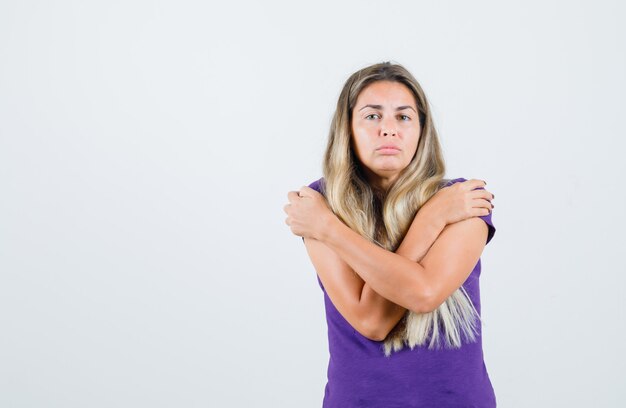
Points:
x=399 y=108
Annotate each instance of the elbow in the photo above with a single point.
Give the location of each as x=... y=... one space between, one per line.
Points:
x=430 y=307
x=423 y=308
x=374 y=336
x=427 y=302
x=371 y=330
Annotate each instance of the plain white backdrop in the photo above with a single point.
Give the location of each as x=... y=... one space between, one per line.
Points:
x=146 y=152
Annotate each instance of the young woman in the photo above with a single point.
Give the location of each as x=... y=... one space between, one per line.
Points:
x=397 y=253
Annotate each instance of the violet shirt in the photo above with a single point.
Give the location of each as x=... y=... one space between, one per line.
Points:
x=359 y=374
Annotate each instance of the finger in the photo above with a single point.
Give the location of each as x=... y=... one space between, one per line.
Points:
x=482 y=203
x=306 y=191
x=487 y=195
x=480 y=211
x=474 y=184
x=293 y=196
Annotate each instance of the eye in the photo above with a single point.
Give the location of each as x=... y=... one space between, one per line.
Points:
x=405 y=117
x=371 y=114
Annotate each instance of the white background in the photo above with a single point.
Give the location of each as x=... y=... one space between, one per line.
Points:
x=146 y=152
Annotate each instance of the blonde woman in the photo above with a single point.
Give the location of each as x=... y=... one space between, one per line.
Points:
x=396 y=248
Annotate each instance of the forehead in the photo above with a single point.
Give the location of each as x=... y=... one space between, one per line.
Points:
x=386 y=93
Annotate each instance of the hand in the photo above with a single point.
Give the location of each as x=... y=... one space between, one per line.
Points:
x=460 y=201
x=307 y=213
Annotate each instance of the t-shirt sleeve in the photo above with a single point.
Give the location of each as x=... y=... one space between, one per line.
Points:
x=487 y=218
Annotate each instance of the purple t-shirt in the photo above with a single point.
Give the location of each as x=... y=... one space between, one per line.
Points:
x=359 y=374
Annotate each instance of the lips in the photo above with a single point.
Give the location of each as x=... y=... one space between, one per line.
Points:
x=388 y=146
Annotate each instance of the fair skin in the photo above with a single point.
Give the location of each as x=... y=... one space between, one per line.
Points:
x=370 y=286
x=385 y=114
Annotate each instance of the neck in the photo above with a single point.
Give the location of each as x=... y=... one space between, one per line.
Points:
x=380 y=184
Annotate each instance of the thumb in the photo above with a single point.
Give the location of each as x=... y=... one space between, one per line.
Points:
x=306 y=191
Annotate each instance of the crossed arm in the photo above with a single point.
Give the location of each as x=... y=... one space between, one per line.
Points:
x=372 y=288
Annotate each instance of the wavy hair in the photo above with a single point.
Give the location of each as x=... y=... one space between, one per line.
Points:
x=385 y=219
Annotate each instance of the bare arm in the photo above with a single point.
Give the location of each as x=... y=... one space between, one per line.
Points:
x=418 y=287
x=367 y=311
x=380 y=314
x=432 y=264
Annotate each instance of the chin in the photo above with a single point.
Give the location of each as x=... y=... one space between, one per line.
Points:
x=388 y=172
x=390 y=167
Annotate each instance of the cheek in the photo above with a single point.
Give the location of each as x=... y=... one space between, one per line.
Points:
x=359 y=137
x=363 y=134
x=361 y=144
x=360 y=147
x=414 y=137
x=357 y=145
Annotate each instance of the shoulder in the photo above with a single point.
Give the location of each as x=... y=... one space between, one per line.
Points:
x=449 y=182
x=318 y=185
x=491 y=229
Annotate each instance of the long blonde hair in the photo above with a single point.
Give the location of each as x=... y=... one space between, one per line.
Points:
x=386 y=220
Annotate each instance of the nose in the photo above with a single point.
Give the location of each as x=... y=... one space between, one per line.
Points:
x=388 y=131
x=388 y=128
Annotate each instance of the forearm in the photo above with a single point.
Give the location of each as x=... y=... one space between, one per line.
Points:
x=421 y=235
x=397 y=276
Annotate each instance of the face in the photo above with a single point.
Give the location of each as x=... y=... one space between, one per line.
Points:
x=385 y=130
